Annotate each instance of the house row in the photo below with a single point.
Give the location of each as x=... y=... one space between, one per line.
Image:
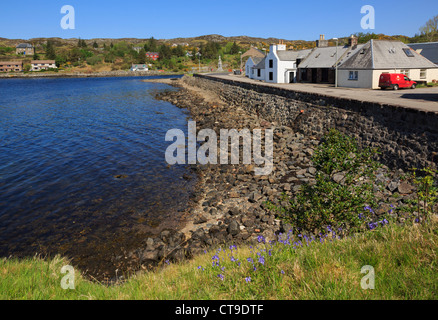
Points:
x=353 y=65
x=36 y=65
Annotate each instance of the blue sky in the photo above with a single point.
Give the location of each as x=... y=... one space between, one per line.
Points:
x=288 y=19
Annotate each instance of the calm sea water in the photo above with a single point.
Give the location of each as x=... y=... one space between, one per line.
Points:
x=82 y=167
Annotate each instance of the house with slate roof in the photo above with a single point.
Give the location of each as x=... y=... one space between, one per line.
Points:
x=249 y=66
x=320 y=65
x=281 y=64
x=429 y=50
x=25 y=48
x=364 y=67
x=259 y=70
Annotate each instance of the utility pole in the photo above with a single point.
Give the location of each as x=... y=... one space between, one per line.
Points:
x=336 y=66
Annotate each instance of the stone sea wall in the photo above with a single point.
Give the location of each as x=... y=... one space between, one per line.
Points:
x=405 y=137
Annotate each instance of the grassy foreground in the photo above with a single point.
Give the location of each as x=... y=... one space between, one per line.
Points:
x=404 y=260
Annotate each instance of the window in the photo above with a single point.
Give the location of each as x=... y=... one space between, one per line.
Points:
x=423 y=73
x=408 y=52
x=271 y=76
x=405 y=72
x=353 y=75
x=271 y=63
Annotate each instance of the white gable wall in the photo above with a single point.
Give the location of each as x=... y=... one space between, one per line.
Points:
x=248 y=67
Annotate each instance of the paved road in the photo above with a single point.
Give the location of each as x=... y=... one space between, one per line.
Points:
x=425 y=99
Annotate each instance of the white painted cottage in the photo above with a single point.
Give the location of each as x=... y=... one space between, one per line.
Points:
x=365 y=66
x=258 y=70
x=281 y=64
x=249 y=66
x=38 y=65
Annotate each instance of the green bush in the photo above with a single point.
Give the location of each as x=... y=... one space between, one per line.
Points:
x=343 y=187
x=94 y=60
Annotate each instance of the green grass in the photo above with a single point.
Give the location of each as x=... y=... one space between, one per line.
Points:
x=404 y=259
x=429 y=84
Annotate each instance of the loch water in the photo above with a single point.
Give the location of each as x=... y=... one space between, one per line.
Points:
x=82 y=168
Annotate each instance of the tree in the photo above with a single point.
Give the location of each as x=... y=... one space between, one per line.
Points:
x=50 y=50
x=151 y=45
x=165 y=52
x=142 y=57
x=234 y=48
x=95 y=45
x=81 y=43
x=430 y=29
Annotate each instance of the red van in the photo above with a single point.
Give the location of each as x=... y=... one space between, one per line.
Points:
x=395 y=81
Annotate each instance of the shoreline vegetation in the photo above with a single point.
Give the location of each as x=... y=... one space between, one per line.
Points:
x=403 y=257
x=234 y=246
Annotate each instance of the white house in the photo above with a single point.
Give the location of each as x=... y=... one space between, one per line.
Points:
x=37 y=65
x=249 y=66
x=139 y=67
x=364 y=67
x=258 y=70
x=281 y=64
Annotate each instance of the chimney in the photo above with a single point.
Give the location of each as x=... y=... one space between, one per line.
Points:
x=352 y=41
x=321 y=42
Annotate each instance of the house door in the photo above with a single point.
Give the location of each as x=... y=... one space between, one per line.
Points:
x=291 y=77
x=325 y=73
x=314 y=74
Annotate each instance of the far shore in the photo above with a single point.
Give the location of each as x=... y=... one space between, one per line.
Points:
x=86 y=75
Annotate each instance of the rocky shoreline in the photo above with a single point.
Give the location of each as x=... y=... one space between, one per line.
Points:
x=230 y=201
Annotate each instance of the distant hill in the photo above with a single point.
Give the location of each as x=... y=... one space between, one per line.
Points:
x=244 y=41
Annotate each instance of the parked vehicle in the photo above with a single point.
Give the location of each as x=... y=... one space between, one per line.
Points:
x=395 y=81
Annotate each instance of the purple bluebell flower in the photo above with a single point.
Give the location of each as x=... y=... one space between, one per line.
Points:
x=262 y=260
x=248 y=279
x=221 y=276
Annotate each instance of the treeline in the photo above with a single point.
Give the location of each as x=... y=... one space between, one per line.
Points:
x=122 y=54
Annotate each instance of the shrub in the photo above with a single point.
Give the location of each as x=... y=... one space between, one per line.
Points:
x=343 y=187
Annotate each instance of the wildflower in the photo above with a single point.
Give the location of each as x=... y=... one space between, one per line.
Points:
x=254 y=268
x=372 y=225
x=282 y=272
x=199 y=267
x=369 y=209
x=270 y=252
x=248 y=279
x=221 y=276
x=249 y=260
x=262 y=260
x=223 y=268
x=167 y=262
x=215 y=257
x=261 y=239
x=233 y=259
